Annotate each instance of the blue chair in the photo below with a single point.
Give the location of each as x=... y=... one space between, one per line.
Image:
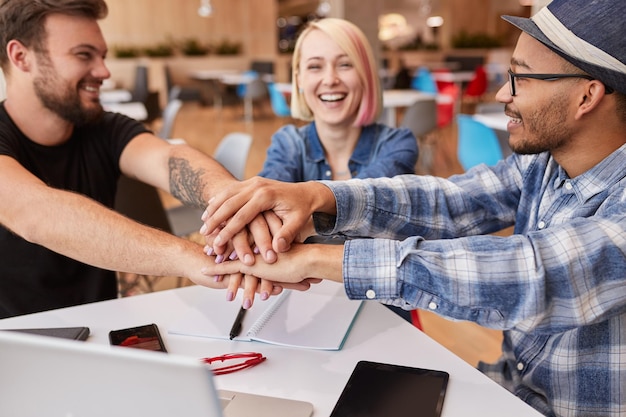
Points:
x=241 y=88
x=280 y=107
x=478 y=143
x=423 y=81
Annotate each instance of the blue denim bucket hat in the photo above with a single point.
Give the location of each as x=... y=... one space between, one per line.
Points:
x=587 y=33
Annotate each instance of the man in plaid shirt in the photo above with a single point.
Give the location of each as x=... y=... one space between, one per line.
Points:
x=557 y=286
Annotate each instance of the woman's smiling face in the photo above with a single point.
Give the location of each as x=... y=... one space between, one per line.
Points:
x=328 y=78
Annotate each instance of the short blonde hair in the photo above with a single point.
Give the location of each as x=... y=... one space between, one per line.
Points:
x=354 y=43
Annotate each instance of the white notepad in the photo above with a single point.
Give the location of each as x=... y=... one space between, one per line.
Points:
x=319 y=318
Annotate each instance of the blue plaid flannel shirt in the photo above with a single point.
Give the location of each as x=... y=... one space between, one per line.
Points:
x=557 y=286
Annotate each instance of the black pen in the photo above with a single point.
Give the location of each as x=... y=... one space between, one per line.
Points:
x=236 y=329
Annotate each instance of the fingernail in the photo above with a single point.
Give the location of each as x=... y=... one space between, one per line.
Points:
x=230 y=296
x=247 y=259
x=211 y=200
x=247 y=303
x=217 y=278
x=208 y=250
x=203 y=229
x=204 y=215
x=233 y=256
x=282 y=243
x=256 y=250
x=264 y=295
x=219 y=259
x=270 y=255
x=217 y=241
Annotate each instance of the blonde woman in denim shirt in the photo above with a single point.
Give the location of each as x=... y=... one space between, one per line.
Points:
x=336 y=86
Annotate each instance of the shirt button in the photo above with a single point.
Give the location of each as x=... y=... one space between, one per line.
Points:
x=432 y=305
x=328 y=173
x=370 y=294
x=541 y=225
x=568 y=186
x=520 y=366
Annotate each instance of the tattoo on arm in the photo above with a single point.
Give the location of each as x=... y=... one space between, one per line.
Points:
x=186 y=183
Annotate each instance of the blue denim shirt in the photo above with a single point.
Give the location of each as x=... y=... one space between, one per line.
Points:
x=557 y=286
x=296 y=154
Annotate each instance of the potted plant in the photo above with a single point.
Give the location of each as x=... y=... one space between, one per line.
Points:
x=159 y=50
x=226 y=47
x=121 y=51
x=193 y=47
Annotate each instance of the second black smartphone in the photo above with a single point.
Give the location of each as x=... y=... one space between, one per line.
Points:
x=142 y=337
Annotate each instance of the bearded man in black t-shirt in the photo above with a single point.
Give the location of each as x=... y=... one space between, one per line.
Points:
x=60 y=158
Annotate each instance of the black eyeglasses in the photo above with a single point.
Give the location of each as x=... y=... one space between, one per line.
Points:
x=544 y=77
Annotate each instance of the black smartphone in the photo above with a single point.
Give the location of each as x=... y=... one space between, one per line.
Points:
x=145 y=337
x=381 y=390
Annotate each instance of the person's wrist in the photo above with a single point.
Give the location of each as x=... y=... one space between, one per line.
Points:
x=323 y=199
x=325 y=262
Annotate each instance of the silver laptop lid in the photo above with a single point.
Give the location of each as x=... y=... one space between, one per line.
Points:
x=45 y=376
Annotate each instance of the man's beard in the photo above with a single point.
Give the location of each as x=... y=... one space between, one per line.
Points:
x=66 y=104
x=545 y=128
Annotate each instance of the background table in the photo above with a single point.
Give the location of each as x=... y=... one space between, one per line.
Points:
x=310 y=375
x=215 y=79
x=497 y=121
x=132 y=109
x=211 y=78
x=115 y=96
x=457 y=77
x=392 y=99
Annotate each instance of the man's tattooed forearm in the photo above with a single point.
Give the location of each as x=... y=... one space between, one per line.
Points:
x=186 y=183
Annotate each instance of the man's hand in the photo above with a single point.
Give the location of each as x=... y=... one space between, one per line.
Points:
x=233 y=209
x=254 y=239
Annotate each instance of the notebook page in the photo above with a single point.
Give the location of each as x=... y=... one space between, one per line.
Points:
x=214 y=319
x=319 y=318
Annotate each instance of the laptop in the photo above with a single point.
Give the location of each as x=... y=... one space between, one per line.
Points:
x=48 y=376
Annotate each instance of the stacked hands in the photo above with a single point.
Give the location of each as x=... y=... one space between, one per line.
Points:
x=255 y=230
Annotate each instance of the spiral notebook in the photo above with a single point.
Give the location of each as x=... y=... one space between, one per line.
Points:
x=319 y=318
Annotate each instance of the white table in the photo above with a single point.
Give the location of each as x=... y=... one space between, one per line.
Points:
x=211 y=78
x=115 y=96
x=457 y=77
x=228 y=77
x=497 y=121
x=392 y=99
x=245 y=78
x=209 y=74
x=284 y=88
x=310 y=375
x=133 y=109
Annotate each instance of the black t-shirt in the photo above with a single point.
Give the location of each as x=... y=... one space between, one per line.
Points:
x=33 y=278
